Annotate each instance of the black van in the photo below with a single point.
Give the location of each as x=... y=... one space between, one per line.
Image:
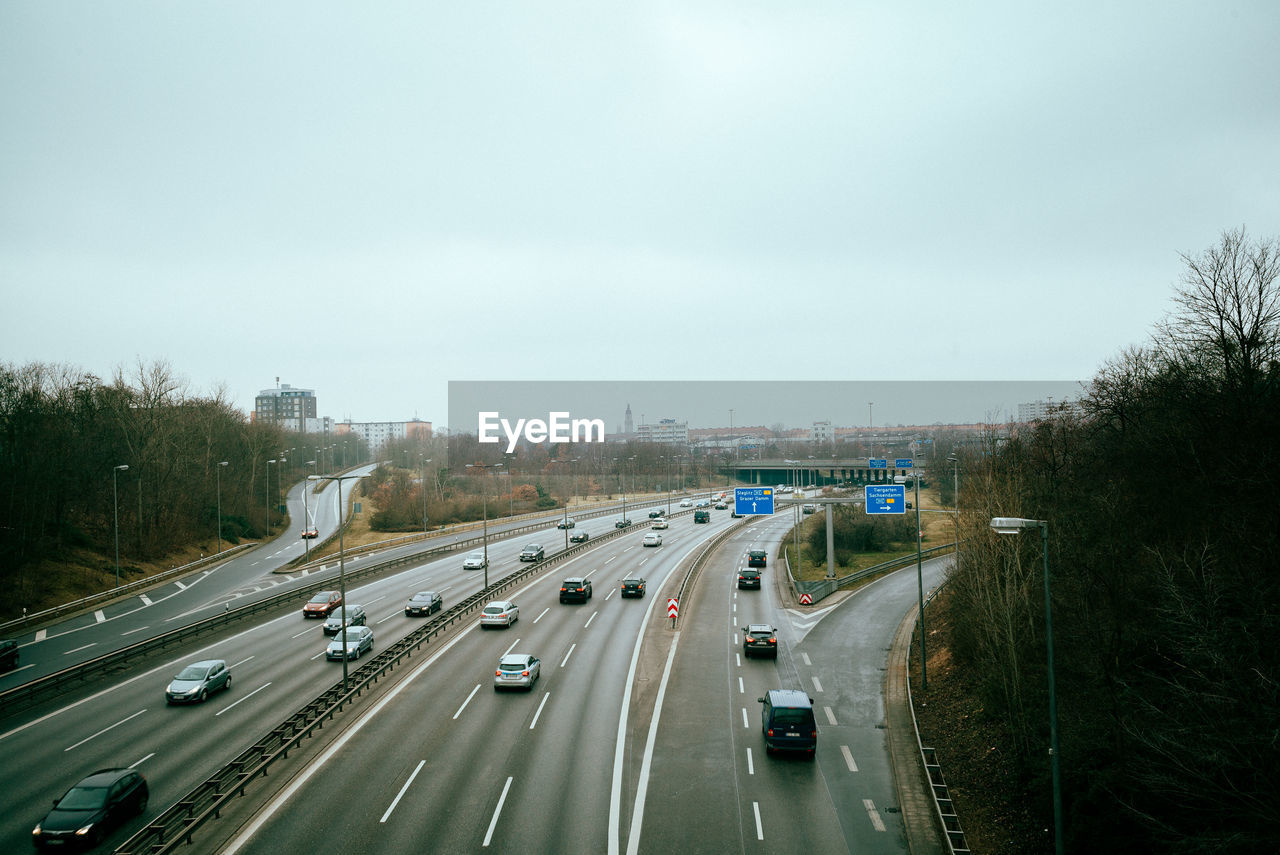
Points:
x=787 y=722
x=757 y=558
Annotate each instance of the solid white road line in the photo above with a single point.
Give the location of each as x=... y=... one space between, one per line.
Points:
x=831 y=717
x=534 y=723
x=104 y=730
x=567 y=655
x=493 y=823
x=848 y=758
x=241 y=700
x=637 y=812
x=755 y=807
x=467 y=701
x=403 y=789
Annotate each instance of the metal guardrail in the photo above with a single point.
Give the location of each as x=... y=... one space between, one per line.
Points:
x=122 y=591
x=705 y=555
x=820 y=588
x=942 y=803
x=176 y=825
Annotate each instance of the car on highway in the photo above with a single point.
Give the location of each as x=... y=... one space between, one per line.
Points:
x=8 y=654
x=352 y=615
x=475 y=561
x=787 y=723
x=359 y=639
x=757 y=558
x=424 y=603
x=91 y=808
x=660 y=523
x=532 y=552
x=622 y=523
x=721 y=506
x=759 y=638
x=687 y=503
x=735 y=514
x=310 y=533
x=702 y=516
x=517 y=671
x=632 y=586
x=809 y=509
x=579 y=537
x=655 y=513
x=321 y=604
x=499 y=613
x=567 y=523
x=749 y=577
x=702 y=503
x=197 y=681
x=652 y=539
x=575 y=589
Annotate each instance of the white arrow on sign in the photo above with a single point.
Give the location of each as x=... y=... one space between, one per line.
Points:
x=673 y=607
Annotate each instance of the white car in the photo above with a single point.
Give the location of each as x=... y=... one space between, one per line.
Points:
x=475 y=561
x=517 y=671
x=499 y=613
x=653 y=539
x=660 y=523
x=687 y=503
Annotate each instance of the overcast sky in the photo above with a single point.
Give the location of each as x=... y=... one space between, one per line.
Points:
x=373 y=199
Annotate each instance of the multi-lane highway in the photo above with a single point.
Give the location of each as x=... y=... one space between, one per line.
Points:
x=588 y=761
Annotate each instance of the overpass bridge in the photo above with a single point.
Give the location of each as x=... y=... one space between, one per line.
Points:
x=811 y=471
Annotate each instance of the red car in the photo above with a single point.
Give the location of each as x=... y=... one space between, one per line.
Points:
x=321 y=604
x=310 y=534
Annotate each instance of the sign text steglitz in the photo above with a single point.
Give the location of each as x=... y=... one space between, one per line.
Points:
x=557 y=428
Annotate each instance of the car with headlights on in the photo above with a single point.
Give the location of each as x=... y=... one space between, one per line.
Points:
x=759 y=638
x=517 y=671
x=499 y=613
x=475 y=561
x=652 y=539
x=352 y=615
x=197 y=681
x=655 y=513
x=359 y=640
x=532 y=552
x=321 y=604
x=579 y=537
x=632 y=586
x=424 y=603
x=89 y=810
x=310 y=533
x=567 y=522
x=660 y=522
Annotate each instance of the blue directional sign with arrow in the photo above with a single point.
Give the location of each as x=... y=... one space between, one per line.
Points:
x=877 y=463
x=753 y=500
x=885 y=498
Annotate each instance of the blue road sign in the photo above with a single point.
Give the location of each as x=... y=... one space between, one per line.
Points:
x=877 y=463
x=885 y=498
x=902 y=463
x=753 y=500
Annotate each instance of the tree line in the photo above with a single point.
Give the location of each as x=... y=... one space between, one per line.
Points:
x=1161 y=499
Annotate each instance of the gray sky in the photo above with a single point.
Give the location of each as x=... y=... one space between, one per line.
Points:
x=372 y=200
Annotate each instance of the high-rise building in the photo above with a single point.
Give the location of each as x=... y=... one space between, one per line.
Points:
x=292 y=409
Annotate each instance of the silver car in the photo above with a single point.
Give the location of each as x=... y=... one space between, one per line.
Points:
x=517 y=671
x=499 y=613
x=475 y=561
x=359 y=639
x=351 y=615
x=197 y=681
x=653 y=539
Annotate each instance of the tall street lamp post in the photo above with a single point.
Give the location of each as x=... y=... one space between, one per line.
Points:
x=1016 y=525
x=342 y=578
x=266 y=499
x=484 y=505
x=219 y=471
x=924 y=670
x=425 y=461
x=306 y=517
x=115 y=501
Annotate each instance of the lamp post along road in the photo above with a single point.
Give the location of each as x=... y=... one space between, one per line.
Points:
x=1015 y=525
x=342 y=577
x=266 y=499
x=924 y=668
x=219 y=471
x=115 y=501
x=484 y=505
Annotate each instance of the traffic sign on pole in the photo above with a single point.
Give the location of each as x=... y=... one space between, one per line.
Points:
x=673 y=609
x=752 y=500
x=885 y=498
x=903 y=463
x=877 y=463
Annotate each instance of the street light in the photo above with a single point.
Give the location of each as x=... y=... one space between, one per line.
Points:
x=955 y=502
x=219 y=471
x=425 y=461
x=484 y=504
x=266 y=499
x=1016 y=525
x=306 y=518
x=115 y=501
x=342 y=578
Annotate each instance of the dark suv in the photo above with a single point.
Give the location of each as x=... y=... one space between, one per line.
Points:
x=632 y=587
x=749 y=578
x=757 y=558
x=533 y=552
x=92 y=808
x=759 y=638
x=575 y=589
x=787 y=722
